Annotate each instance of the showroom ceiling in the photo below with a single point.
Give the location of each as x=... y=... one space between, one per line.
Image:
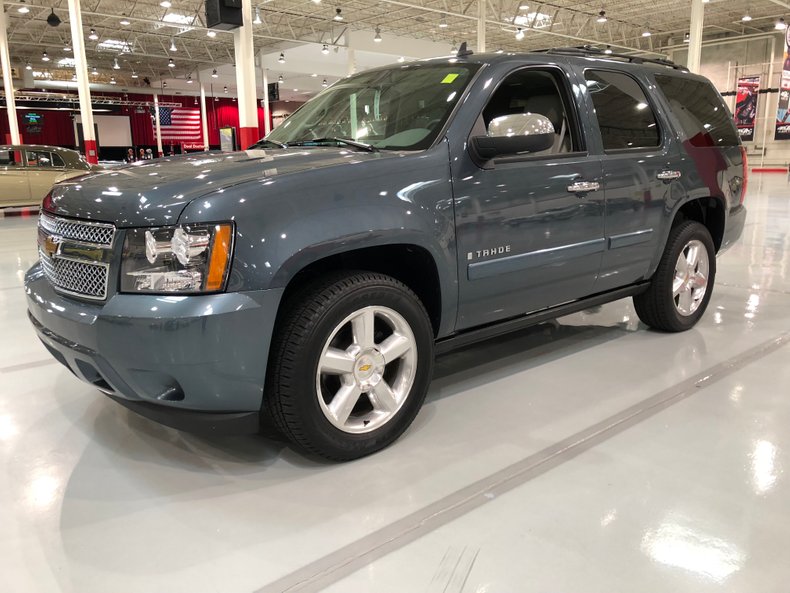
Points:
x=156 y=34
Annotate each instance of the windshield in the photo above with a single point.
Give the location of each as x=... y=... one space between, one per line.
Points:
x=400 y=109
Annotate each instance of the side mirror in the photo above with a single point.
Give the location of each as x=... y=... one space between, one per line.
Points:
x=514 y=134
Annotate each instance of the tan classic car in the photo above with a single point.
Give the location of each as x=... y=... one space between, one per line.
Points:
x=28 y=171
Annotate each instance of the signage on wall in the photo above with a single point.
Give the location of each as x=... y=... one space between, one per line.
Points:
x=782 y=114
x=34 y=122
x=746 y=106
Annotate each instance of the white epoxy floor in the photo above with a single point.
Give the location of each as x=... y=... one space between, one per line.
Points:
x=586 y=455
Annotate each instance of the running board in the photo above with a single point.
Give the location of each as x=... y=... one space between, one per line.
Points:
x=500 y=328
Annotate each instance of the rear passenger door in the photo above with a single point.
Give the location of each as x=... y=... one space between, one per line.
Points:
x=14 y=186
x=44 y=170
x=641 y=166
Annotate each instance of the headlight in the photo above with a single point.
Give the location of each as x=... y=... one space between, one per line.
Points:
x=185 y=259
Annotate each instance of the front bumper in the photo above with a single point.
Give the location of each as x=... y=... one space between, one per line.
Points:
x=196 y=363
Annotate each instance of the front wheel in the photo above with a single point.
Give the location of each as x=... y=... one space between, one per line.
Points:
x=681 y=288
x=351 y=362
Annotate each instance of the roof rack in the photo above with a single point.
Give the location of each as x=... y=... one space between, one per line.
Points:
x=588 y=50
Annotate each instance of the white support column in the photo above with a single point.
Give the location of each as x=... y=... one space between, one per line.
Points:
x=203 y=117
x=159 y=150
x=481 y=26
x=245 y=78
x=351 y=66
x=83 y=83
x=8 y=81
x=695 y=35
x=267 y=118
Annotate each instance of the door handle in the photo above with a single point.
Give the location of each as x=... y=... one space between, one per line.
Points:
x=668 y=175
x=583 y=187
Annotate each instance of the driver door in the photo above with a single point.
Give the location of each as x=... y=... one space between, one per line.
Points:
x=529 y=234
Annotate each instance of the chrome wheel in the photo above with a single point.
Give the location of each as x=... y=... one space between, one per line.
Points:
x=690 y=282
x=366 y=369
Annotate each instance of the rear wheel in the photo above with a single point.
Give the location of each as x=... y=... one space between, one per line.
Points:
x=350 y=365
x=681 y=288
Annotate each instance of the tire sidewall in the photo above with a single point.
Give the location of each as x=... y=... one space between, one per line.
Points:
x=330 y=439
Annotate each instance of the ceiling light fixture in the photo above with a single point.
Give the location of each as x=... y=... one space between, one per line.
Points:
x=324 y=83
x=519 y=34
x=646 y=32
x=443 y=22
x=164 y=84
x=377 y=38
x=226 y=90
x=28 y=66
x=608 y=49
x=67 y=48
x=280 y=79
x=602 y=17
x=211 y=33
x=125 y=22
x=23 y=9
x=112 y=80
x=257 y=20
x=44 y=56
x=686 y=38
x=401 y=60
x=214 y=73
x=53 y=20
x=281 y=59
x=780 y=25
x=115 y=64
x=746 y=18
x=325 y=49
x=95 y=72
x=173 y=45
x=338 y=14
x=171 y=63
x=134 y=74
x=93 y=36
x=165 y=4
x=189 y=79
x=454 y=48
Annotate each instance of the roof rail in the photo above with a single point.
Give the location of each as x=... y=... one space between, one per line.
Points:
x=588 y=50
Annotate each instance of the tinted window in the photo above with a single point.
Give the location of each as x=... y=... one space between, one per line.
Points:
x=534 y=91
x=57 y=160
x=39 y=158
x=699 y=111
x=624 y=114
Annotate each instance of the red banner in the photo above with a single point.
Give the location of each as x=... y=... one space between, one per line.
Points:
x=746 y=106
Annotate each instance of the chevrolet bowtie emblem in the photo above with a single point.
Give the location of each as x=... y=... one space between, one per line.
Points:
x=51 y=245
x=364 y=368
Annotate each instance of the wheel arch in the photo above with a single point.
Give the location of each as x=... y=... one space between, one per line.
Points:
x=709 y=211
x=410 y=263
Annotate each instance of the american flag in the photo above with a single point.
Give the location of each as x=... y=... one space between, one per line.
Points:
x=180 y=124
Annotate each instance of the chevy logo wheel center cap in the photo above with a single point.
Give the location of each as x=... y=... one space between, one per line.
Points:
x=369 y=369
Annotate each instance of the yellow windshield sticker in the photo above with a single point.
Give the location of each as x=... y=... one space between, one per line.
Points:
x=449 y=78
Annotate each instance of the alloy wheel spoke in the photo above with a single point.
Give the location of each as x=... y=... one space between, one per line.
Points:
x=685 y=301
x=383 y=398
x=362 y=325
x=700 y=280
x=677 y=284
x=692 y=257
x=337 y=362
x=394 y=347
x=344 y=401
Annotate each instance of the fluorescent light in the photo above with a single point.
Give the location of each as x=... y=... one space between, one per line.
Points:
x=602 y=17
x=93 y=36
x=257 y=20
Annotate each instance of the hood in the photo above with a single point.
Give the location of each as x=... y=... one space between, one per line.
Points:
x=154 y=193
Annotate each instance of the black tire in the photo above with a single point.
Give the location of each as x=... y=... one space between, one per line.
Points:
x=656 y=306
x=291 y=396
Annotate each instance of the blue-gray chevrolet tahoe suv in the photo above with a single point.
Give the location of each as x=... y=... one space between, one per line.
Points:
x=309 y=281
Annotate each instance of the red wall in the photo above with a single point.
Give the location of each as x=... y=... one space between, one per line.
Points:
x=58 y=126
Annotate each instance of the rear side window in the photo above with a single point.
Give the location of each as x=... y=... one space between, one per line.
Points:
x=699 y=111
x=624 y=115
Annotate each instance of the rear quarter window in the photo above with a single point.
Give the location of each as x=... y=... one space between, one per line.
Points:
x=699 y=111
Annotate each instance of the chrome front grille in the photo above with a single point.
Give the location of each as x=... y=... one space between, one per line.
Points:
x=84 y=279
x=97 y=233
x=75 y=255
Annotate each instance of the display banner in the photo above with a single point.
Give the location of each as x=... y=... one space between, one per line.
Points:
x=746 y=106
x=782 y=115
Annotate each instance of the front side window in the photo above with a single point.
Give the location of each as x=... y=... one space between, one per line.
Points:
x=625 y=117
x=399 y=109
x=537 y=92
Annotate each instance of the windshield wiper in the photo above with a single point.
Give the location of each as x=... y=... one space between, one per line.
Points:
x=347 y=141
x=263 y=142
